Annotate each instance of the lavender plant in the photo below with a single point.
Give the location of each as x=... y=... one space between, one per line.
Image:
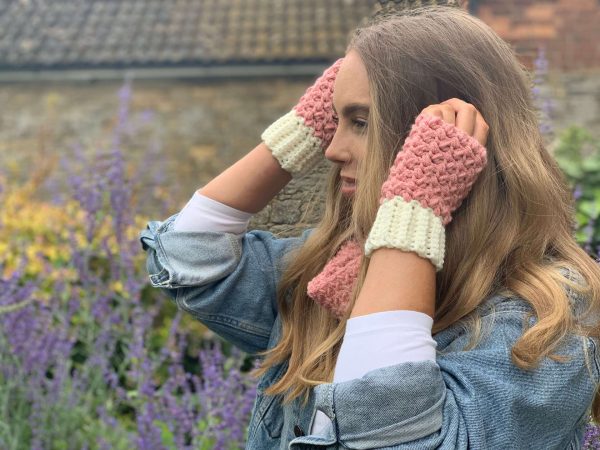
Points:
x=578 y=154
x=542 y=97
x=591 y=440
x=96 y=359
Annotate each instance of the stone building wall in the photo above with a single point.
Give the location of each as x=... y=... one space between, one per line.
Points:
x=184 y=132
x=201 y=128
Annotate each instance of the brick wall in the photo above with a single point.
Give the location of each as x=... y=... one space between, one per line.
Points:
x=569 y=29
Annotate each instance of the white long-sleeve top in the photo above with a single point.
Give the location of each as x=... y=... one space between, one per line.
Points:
x=370 y=342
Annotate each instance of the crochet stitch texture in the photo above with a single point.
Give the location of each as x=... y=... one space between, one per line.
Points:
x=430 y=177
x=298 y=138
x=332 y=287
x=437 y=166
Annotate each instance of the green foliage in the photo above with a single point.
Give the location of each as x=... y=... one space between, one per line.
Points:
x=78 y=428
x=167 y=438
x=577 y=152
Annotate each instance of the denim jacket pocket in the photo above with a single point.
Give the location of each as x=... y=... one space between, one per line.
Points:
x=270 y=410
x=272 y=419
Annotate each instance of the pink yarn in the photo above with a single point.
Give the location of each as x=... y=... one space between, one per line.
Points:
x=332 y=287
x=316 y=105
x=437 y=166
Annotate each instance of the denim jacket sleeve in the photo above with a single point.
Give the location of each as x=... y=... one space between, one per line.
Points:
x=475 y=399
x=226 y=281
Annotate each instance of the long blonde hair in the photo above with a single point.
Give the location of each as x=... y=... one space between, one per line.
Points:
x=512 y=233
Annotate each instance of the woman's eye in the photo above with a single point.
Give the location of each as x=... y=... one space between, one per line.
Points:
x=359 y=124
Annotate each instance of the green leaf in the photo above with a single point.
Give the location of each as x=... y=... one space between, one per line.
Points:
x=589 y=208
x=166 y=436
x=132 y=394
x=571 y=142
x=582 y=219
x=580 y=237
x=571 y=168
x=202 y=425
x=591 y=164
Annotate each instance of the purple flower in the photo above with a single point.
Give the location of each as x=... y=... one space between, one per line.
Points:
x=544 y=101
x=591 y=439
x=95 y=359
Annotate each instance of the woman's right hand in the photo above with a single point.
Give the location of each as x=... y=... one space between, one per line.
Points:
x=298 y=138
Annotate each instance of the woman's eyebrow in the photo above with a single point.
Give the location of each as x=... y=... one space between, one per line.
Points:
x=353 y=108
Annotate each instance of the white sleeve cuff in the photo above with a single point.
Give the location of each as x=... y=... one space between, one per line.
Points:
x=380 y=340
x=205 y=214
x=384 y=339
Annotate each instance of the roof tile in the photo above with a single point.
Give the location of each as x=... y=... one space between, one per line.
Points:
x=108 y=33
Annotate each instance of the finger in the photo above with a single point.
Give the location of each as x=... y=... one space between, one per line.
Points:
x=481 y=130
x=454 y=101
x=466 y=114
x=444 y=112
x=465 y=118
x=449 y=114
x=433 y=110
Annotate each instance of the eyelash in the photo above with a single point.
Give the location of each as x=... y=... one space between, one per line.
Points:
x=360 y=124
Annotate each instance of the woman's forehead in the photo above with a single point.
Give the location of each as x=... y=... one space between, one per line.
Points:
x=351 y=83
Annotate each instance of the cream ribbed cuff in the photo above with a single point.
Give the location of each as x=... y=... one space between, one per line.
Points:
x=410 y=227
x=293 y=144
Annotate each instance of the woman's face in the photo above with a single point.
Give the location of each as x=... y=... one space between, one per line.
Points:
x=351 y=103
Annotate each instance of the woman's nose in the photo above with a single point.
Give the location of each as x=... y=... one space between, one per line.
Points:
x=336 y=152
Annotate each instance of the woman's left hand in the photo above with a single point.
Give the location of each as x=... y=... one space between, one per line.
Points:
x=432 y=174
x=463 y=115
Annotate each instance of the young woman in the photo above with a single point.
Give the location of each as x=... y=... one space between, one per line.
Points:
x=441 y=301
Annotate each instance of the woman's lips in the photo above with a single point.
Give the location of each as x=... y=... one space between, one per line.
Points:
x=348 y=186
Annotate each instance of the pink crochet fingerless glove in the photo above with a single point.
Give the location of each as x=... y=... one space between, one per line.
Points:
x=332 y=287
x=430 y=177
x=298 y=138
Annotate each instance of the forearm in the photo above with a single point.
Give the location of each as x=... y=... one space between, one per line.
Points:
x=249 y=184
x=291 y=146
x=407 y=241
x=397 y=280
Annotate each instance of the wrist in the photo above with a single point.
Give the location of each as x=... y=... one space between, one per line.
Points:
x=397 y=280
x=298 y=138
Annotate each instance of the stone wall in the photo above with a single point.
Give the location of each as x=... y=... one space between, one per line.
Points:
x=202 y=128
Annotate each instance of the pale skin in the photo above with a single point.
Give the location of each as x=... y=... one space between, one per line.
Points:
x=395 y=280
x=249 y=184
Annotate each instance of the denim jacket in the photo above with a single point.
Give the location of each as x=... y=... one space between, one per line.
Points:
x=476 y=399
